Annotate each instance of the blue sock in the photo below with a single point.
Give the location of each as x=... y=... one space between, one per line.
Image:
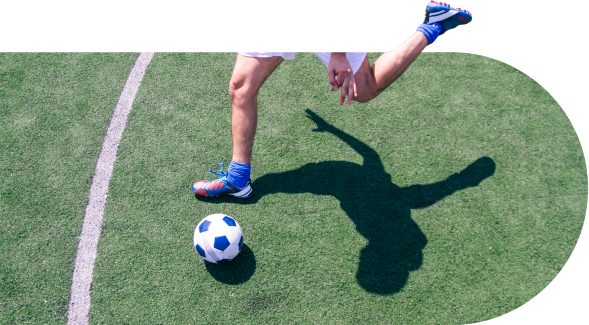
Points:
x=431 y=31
x=238 y=174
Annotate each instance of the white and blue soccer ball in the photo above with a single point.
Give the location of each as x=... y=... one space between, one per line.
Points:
x=218 y=238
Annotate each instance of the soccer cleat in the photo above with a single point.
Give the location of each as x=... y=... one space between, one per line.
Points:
x=448 y=17
x=216 y=187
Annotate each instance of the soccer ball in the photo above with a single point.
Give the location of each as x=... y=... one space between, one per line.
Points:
x=218 y=238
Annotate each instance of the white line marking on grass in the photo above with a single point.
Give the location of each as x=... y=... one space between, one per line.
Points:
x=79 y=305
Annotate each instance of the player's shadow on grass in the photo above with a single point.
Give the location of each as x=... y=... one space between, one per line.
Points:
x=380 y=209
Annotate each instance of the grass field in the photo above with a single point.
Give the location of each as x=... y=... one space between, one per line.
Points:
x=54 y=112
x=454 y=197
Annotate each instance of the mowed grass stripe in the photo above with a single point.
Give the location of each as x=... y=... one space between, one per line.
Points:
x=54 y=113
x=319 y=223
x=92 y=226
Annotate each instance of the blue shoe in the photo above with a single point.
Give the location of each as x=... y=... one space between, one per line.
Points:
x=216 y=187
x=448 y=17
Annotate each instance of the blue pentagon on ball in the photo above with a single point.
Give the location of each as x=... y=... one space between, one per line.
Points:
x=221 y=243
x=200 y=251
x=204 y=226
x=229 y=221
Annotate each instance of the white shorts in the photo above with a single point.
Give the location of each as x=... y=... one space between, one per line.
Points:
x=355 y=58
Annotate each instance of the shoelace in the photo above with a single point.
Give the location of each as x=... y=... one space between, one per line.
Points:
x=219 y=171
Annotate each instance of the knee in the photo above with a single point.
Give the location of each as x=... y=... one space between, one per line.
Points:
x=367 y=94
x=367 y=89
x=241 y=90
x=364 y=98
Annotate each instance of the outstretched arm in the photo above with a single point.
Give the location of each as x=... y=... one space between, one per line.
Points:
x=371 y=158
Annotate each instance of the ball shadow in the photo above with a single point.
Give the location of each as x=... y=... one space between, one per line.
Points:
x=238 y=270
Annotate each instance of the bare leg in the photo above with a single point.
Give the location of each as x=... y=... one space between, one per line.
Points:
x=249 y=74
x=372 y=80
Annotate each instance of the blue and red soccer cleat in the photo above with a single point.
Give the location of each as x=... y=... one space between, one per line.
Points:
x=448 y=17
x=216 y=187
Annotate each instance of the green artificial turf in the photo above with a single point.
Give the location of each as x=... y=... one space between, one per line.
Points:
x=454 y=197
x=54 y=112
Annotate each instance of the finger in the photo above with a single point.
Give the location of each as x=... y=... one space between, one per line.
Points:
x=351 y=89
x=331 y=74
x=340 y=78
x=344 y=90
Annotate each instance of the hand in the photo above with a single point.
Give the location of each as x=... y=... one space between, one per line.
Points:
x=322 y=125
x=340 y=67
